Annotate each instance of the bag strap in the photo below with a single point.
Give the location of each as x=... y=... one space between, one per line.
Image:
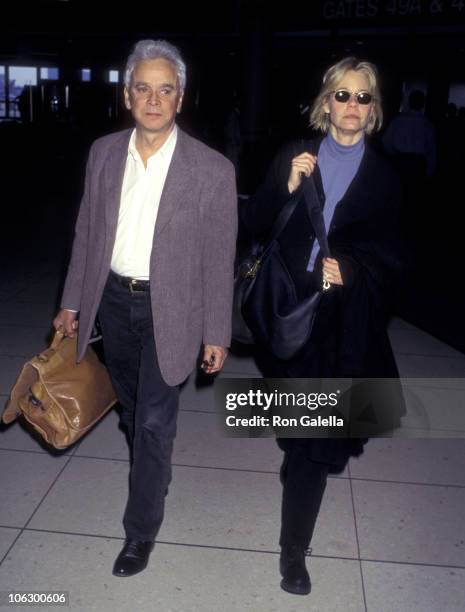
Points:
x=287 y=210
x=282 y=219
x=316 y=214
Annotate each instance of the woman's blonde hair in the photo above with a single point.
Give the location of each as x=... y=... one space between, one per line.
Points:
x=333 y=76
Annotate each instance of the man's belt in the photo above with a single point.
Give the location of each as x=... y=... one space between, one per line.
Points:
x=135 y=285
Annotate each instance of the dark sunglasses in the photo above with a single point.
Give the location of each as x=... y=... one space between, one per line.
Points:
x=343 y=96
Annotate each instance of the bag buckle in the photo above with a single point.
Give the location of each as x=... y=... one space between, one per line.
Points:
x=253 y=269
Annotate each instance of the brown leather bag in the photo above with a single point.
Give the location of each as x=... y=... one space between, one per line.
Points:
x=60 y=398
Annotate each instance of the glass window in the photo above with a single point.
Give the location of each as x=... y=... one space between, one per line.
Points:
x=2 y=91
x=113 y=76
x=51 y=74
x=2 y=82
x=19 y=76
x=86 y=74
x=456 y=94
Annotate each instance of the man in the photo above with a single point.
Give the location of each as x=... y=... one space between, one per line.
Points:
x=153 y=257
x=411 y=135
x=410 y=141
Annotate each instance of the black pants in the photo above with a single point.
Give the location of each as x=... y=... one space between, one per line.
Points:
x=304 y=483
x=306 y=462
x=149 y=405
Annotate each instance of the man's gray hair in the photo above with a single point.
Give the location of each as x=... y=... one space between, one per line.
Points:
x=155 y=49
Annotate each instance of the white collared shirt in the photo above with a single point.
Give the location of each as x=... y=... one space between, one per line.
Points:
x=140 y=199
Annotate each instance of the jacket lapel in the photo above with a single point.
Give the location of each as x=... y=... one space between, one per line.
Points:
x=178 y=182
x=113 y=177
x=345 y=209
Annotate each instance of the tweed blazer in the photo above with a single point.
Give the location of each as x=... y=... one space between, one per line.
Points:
x=191 y=264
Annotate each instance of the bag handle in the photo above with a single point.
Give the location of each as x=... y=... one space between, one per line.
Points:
x=57 y=338
x=287 y=210
x=54 y=344
x=314 y=209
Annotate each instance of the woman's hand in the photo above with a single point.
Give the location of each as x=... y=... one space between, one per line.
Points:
x=303 y=164
x=331 y=271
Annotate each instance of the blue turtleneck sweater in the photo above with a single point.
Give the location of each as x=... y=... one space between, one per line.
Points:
x=338 y=165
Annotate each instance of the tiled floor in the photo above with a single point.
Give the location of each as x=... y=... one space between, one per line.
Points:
x=390 y=535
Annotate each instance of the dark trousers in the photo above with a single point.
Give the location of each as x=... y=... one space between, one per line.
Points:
x=304 y=483
x=149 y=405
x=305 y=466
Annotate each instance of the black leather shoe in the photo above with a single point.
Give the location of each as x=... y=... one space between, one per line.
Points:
x=292 y=567
x=133 y=558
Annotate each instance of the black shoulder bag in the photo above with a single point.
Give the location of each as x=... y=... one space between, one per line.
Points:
x=266 y=310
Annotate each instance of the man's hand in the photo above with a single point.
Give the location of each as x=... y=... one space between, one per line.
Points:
x=67 y=320
x=331 y=271
x=303 y=164
x=213 y=358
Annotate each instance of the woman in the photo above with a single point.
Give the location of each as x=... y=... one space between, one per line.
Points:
x=360 y=196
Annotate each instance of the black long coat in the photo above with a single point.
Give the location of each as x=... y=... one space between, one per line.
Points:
x=349 y=337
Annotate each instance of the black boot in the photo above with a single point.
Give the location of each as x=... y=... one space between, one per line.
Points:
x=292 y=567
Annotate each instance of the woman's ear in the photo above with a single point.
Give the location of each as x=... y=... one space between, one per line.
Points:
x=326 y=105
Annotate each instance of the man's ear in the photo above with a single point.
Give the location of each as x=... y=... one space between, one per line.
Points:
x=178 y=109
x=127 y=99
